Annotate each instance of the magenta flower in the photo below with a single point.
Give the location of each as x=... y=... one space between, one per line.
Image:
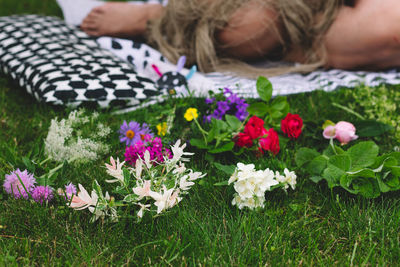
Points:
x=343 y=131
x=42 y=194
x=130 y=133
x=12 y=185
x=154 y=146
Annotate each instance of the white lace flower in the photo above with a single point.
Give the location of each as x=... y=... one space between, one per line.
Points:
x=291 y=178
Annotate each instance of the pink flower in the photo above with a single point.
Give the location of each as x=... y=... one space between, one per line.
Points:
x=13 y=186
x=343 y=131
x=143 y=191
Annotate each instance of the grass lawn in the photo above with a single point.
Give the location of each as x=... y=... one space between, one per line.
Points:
x=312 y=225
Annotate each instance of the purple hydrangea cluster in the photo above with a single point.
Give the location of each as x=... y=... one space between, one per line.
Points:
x=153 y=145
x=132 y=132
x=42 y=194
x=232 y=105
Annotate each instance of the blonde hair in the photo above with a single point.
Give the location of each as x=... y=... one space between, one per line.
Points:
x=189 y=27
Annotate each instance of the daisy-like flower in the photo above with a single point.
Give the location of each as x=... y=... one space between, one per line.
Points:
x=12 y=183
x=115 y=170
x=130 y=133
x=42 y=194
x=191 y=114
x=145 y=133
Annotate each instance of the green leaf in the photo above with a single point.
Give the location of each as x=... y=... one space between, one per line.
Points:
x=317 y=165
x=226 y=147
x=341 y=161
x=395 y=170
x=130 y=198
x=364 y=173
x=367 y=187
x=382 y=186
x=363 y=154
x=264 y=88
x=199 y=143
x=259 y=109
x=305 y=155
x=233 y=123
x=276 y=114
x=228 y=169
x=316 y=179
x=332 y=175
x=279 y=103
x=127 y=176
x=224 y=183
x=370 y=128
x=345 y=182
x=329 y=151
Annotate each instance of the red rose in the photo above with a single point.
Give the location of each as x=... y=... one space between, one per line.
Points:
x=292 y=125
x=254 y=127
x=271 y=142
x=243 y=139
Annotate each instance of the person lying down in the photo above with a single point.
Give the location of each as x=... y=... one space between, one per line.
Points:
x=222 y=35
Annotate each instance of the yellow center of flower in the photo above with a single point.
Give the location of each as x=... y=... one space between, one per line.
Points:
x=130 y=134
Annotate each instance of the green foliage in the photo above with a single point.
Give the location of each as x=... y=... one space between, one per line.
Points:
x=271 y=110
x=359 y=170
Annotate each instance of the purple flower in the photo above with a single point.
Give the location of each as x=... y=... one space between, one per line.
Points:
x=210 y=100
x=222 y=107
x=130 y=134
x=12 y=184
x=70 y=190
x=42 y=193
x=145 y=133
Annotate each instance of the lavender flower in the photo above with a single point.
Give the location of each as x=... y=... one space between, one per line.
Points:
x=145 y=133
x=130 y=133
x=42 y=194
x=12 y=185
x=232 y=105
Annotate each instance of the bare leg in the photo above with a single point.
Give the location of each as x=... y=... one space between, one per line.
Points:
x=366 y=36
x=120 y=19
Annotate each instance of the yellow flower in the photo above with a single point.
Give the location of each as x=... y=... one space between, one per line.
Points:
x=162 y=128
x=190 y=114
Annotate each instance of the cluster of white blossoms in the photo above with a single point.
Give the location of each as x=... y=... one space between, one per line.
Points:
x=251 y=184
x=77 y=138
x=150 y=186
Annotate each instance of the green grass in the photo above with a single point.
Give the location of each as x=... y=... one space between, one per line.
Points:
x=310 y=226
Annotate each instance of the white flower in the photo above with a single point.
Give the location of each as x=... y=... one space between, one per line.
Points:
x=147 y=159
x=138 y=168
x=268 y=180
x=290 y=178
x=83 y=200
x=143 y=207
x=177 y=152
x=162 y=199
x=193 y=176
x=184 y=184
x=143 y=191
x=115 y=170
x=179 y=168
x=174 y=199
